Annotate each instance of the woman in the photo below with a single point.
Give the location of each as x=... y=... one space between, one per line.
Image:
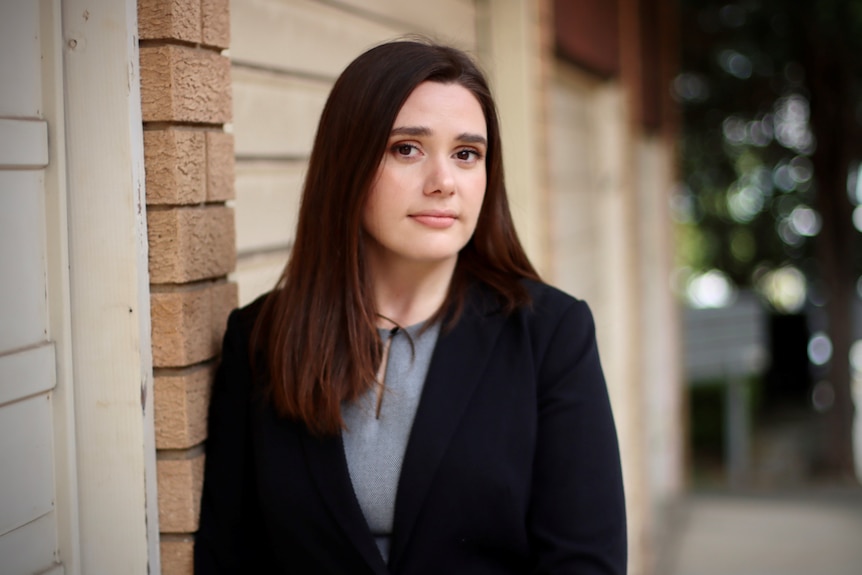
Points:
x=410 y=398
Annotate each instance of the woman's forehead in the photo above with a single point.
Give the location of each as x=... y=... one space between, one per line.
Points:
x=435 y=103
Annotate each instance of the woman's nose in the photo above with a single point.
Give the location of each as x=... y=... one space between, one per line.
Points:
x=440 y=178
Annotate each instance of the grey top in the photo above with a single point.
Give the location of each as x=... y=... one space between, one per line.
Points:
x=374 y=445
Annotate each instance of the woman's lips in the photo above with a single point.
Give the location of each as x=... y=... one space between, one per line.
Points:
x=438 y=220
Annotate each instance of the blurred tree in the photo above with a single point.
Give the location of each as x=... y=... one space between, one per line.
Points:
x=771 y=92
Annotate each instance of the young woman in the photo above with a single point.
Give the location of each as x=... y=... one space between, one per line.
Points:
x=410 y=398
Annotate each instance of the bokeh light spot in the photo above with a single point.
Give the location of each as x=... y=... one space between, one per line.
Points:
x=801 y=169
x=690 y=88
x=857 y=218
x=745 y=203
x=785 y=288
x=783 y=178
x=854 y=183
x=819 y=349
x=805 y=221
x=791 y=124
x=735 y=64
x=712 y=289
x=788 y=233
x=856 y=355
x=822 y=396
x=734 y=130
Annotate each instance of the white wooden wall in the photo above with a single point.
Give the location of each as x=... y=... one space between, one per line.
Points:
x=77 y=480
x=660 y=322
x=586 y=144
x=574 y=195
x=595 y=251
x=28 y=345
x=286 y=55
x=612 y=247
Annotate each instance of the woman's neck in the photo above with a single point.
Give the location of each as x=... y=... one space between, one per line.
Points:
x=408 y=293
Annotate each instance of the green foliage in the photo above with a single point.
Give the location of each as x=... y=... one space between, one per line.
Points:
x=750 y=187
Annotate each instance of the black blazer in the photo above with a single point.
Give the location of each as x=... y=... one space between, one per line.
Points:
x=512 y=464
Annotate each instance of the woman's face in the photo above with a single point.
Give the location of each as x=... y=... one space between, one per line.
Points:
x=429 y=188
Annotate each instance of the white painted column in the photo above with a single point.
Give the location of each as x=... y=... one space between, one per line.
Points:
x=109 y=289
x=508 y=48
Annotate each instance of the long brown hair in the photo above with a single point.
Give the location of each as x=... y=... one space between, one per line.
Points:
x=317 y=329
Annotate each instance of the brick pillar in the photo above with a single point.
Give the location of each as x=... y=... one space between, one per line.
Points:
x=189 y=159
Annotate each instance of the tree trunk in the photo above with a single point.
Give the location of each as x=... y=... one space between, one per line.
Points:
x=830 y=74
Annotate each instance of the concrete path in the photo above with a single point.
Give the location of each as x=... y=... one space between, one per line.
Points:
x=792 y=534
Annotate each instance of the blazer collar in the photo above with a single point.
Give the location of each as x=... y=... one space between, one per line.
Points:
x=328 y=465
x=459 y=359
x=457 y=363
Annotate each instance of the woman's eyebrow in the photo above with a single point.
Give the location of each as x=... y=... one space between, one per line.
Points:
x=416 y=131
x=411 y=131
x=468 y=138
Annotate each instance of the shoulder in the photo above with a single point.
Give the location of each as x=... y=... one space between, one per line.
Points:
x=242 y=320
x=239 y=332
x=550 y=315
x=559 y=324
x=550 y=305
x=546 y=305
x=545 y=297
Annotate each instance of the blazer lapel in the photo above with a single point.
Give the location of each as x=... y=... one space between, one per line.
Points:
x=456 y=367
x=326 y=461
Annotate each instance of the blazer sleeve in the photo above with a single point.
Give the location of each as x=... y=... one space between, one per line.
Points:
x=576 y=518
x=230 y=537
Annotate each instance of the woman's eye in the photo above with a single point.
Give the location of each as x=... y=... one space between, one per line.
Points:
x=404 y=149
x=467 y=155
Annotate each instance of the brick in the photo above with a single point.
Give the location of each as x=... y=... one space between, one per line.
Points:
x=188 y=323
x=181 y=327
x=181 y=401
x=177 y=554
x=179 y=486
x=220 y=166
x=170 y=20
x=215 y=18
x=176 y=166
x=191 y=243
x=184 y=84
